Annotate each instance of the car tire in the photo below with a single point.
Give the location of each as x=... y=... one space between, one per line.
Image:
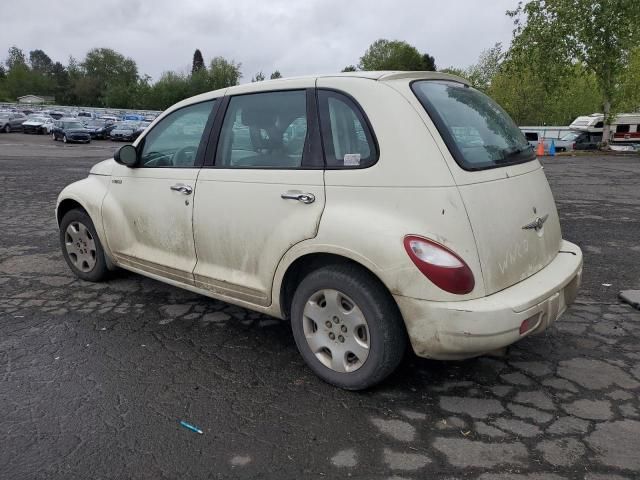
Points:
x=81 y=247
x=53 y=137
x=64 y=139
x=7 y=128
x=344 y=312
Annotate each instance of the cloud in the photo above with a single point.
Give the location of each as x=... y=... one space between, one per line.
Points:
x=311 y=36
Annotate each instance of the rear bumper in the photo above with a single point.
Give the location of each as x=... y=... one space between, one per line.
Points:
x=457 y=330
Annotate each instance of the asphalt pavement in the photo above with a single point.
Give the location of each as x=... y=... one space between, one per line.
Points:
x=95 y=378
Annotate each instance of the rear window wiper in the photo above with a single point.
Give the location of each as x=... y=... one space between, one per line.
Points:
x=508 y=154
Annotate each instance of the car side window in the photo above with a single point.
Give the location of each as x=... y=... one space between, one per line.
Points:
x=347 y=139
x=174 y=141
x=264 y=130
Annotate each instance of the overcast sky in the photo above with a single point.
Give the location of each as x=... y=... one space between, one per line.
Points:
x=295 y=36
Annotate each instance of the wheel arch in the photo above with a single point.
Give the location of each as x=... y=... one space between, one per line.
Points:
x=66 y=205
x=297 y=268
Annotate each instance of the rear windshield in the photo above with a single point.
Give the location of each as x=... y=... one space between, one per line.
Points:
x=477 y=131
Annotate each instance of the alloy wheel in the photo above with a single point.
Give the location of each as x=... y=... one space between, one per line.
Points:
x=336 y=331
x=80 y=246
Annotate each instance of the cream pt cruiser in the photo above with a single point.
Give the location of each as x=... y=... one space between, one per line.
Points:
x=373 y=210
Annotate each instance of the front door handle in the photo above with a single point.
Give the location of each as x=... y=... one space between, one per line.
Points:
x=179 y=187
x=300 y=196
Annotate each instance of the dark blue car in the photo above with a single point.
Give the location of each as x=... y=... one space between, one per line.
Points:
x=70 y=131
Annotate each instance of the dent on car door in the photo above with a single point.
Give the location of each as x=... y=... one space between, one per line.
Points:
x=264 y=194
x=147 y=213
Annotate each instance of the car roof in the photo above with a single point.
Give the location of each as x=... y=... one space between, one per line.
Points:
x=381 y=76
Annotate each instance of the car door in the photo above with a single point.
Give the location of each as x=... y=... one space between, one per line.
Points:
x=17 y=121
x=263 y=193
x=147 y=212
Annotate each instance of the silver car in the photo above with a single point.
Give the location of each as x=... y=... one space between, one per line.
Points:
x=11 y=121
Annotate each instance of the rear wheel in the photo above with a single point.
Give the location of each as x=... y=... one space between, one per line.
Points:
x=53 y=137
x=347 y=327
x=81 y=246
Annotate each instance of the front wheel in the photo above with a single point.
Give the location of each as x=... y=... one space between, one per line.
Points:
x=347 y=326
x=7 y=128
x=53 y=137
x=64 y=139
x=81 y=247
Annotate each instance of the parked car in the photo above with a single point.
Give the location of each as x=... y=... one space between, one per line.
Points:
x=141 y=128
x=11 y=121
x=126 y=131
x=70 y=130
x=443 y=233
x=99 y=129
x=583 y=140
x=85 y=115
x=38 y=124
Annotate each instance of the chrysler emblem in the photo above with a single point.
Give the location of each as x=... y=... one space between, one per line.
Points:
x=537 y=224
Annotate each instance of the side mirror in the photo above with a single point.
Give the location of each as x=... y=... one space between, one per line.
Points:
x=126 y=155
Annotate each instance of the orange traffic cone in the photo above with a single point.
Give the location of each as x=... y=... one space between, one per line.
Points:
x=540 y=149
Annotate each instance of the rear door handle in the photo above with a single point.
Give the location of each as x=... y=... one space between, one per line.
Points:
x=300 y=196
x=179 y=187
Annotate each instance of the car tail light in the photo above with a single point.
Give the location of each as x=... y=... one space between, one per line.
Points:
x=440 y=265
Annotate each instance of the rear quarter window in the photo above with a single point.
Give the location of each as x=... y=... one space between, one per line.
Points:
x=477 y=131
x=347 y=139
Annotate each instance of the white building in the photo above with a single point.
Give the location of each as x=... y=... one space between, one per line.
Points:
x=35 y=99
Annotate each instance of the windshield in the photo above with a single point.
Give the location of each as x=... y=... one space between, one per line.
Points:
x=477 y=131
x=570 y=136
x=73 y=125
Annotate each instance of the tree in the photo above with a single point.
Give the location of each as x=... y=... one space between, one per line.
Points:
x=198 y=62
x=558 y=33
x=349 y=68
x=40 y=62
x=259 y=77
x=105 y=69
x=275 y=74
x=480 y=74
x=428 y=63
x=60 y=77
x=391 y=55
x=16 y=58
x=629 y=94
x=460 y=72
x=224 y=73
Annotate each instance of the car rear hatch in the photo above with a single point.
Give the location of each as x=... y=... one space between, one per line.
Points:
x=506 y=194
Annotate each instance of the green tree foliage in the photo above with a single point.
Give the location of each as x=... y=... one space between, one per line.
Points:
x=554 y=35
x=198 y=62
x=40 y=62
x=224 y=73
x=105 y=71
x=488 y=65
x=529 y=101
x=394 y=55
x=275 y=74
x=259 y=77
x=15 y=58
x=628 y=98
x=349 y=68
x=428 y=63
